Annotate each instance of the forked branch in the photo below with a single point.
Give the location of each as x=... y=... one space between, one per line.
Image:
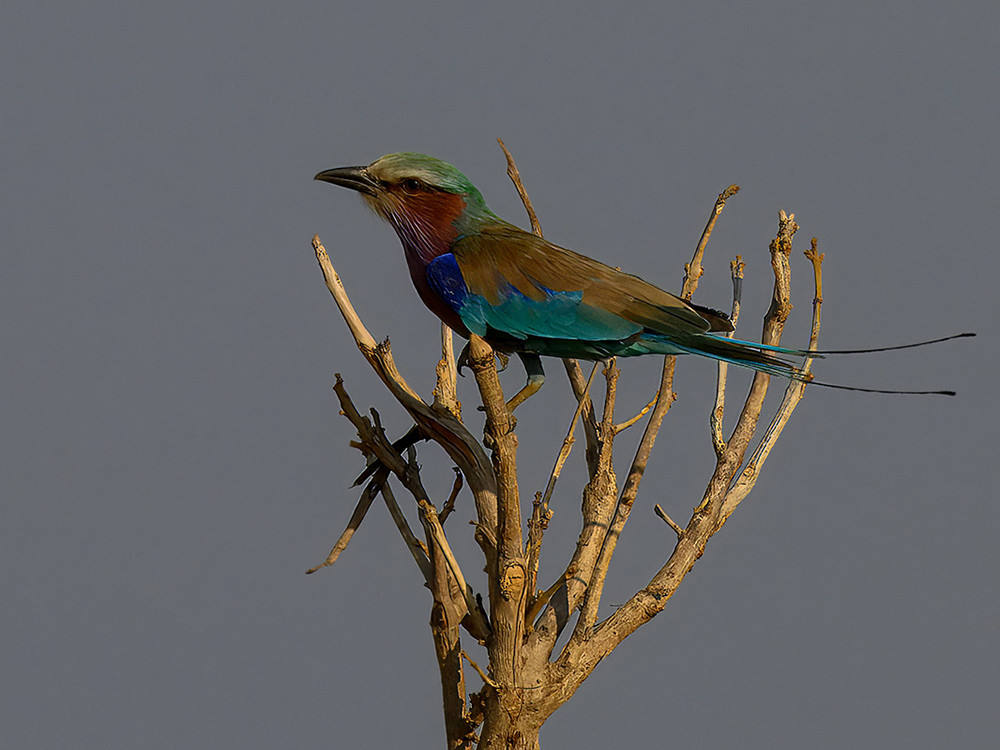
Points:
x=589 y=645
x=524 y=683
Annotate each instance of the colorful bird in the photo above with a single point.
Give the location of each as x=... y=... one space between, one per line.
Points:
x=525 y=295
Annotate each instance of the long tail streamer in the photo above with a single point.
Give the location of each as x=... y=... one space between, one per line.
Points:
x=771 y=366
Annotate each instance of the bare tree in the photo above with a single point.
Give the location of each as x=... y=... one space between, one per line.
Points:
x=527 y=678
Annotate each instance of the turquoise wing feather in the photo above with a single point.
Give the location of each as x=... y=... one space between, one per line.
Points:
x=517 y=283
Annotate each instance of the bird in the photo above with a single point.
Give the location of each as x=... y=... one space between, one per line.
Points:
x=527 y=296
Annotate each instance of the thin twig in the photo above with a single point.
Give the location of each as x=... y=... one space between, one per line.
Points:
x=728 y=463
x=664 y=399
x=598 y=507
x=567 y=443
x=479 y=671
x=589 y=576
x=622 y=426
x=543 y=597
x=408 y=474
x=573 y=371
x=793 y=394
x=736 y=267
x=438 y=425
x=417 y=548
x=432 y=524
x=364 y=339
x=658 y=510
x=611 y=375
x=715 y=421
x=591 y=643
x=693 y=270
x=623 y=507
x=372 y=440
x=541 y=513
x=515 y=177
x=364 y=503
x=589 y=419
x=537 y=524
x=816 y=258
x=449 y=504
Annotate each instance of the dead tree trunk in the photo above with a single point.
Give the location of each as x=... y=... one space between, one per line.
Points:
x=526 y=679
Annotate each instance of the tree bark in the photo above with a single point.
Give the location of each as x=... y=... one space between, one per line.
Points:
x=525 y=680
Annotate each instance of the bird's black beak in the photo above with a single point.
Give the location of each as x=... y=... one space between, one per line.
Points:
x=355 y=178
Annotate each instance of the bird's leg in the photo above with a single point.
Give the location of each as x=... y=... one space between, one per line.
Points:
x=532 y=366
x=536 y=376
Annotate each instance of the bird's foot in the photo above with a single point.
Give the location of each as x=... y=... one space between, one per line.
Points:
x=463 y=360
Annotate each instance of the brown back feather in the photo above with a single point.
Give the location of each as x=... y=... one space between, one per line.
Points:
x=503 y=254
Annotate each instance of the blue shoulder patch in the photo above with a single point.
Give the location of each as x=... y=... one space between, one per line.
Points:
x=445 y=278
x=558 y=315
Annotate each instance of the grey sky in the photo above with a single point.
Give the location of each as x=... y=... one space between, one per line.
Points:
x=172 y=457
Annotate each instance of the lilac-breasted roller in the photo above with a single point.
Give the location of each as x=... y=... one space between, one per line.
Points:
x=525 y=295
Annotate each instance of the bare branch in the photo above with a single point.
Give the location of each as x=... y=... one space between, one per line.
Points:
x=449 y=504
x=438 y=424
x=543 y=597
x=816 y=258
x=664 y=399
x=352 y=525
x=537 y=524
x=446 y=389
x=374 y=438
x=693 y=270
x=522 y=684
x=592 y=600
x=588 y=646
x=715 y=421
x=500 y=433
x=567 y=444
x=432 y=524
x=668 y=520
x=793 y=394
x=622 y=426
x=598 y=509
x=611 y=375
x=508 y=574
x=482 y=675
x=515 y=177
x=444 y=624
x=774 y=322
x=364 y=339
x=736 y=267
x=589 y=419
x=571 y=365
x=417 y=548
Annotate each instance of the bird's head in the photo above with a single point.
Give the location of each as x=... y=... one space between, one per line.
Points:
x=427 y=201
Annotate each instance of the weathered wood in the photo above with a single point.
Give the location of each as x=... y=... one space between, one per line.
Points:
x=525 y=680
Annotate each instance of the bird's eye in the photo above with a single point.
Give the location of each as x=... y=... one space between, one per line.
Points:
x=411 y=185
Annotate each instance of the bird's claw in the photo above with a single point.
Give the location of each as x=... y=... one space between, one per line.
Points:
x=463 y=360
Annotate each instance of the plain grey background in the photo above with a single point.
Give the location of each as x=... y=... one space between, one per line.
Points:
x=172 y=457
